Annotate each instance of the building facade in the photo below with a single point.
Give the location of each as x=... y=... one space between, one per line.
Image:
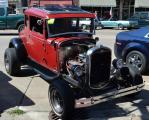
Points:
x=121 y=9
x=45 y=2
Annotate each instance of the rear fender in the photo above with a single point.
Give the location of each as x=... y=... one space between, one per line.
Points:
x=19 y=46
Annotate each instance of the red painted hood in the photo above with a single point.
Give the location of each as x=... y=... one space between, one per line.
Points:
x=60 y=40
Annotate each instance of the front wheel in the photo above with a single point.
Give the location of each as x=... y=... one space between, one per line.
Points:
x=136 y=59
x=120 y=27
x=61 y=99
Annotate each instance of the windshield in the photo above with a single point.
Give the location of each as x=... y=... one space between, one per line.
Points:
x=70 y=25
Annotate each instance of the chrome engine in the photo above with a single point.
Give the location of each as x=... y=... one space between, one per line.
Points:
x=89 y=65
x=86 y=63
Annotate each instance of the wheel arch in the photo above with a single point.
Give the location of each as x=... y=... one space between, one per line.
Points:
x=19 y=23
x=20 y=48
x=134 y=47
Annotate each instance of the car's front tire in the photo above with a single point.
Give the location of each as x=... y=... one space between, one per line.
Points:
x=137 y=59
x=120 y=27
x=61 y=99
x=12 y=64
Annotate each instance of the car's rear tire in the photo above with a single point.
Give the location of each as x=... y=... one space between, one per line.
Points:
x=12 y=64
x=120 y=27
x=61 y=99
x=20 y=27
x=137 y=59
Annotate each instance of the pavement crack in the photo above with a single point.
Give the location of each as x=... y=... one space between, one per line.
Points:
x=22 y=98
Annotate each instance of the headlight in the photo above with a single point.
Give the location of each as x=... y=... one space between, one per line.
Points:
x=117 y=63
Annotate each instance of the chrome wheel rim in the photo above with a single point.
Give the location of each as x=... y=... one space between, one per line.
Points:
x=57 y=102
x=135 y=61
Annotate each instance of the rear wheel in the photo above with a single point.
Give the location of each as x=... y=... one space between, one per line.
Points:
x=61 y=99
x=136 y=59
x=20 y=27
x=12 y=64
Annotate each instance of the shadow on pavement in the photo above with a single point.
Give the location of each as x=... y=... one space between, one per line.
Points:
x=111 y=108
x=10 y=96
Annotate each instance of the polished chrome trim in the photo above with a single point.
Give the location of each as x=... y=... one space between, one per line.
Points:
x=109 y=96
x=88 y=64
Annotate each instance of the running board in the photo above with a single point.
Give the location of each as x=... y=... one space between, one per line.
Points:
x=46 y=74
x=108 y=96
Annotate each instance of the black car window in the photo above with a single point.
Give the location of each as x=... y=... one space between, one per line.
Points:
x=2 y=11
x=36 y=24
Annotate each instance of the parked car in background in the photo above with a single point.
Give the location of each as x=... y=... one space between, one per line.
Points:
x=11 y=21
x=85 y=23
x=120 y=24
x=20 y=10
x=133 y=47
x=141 y=17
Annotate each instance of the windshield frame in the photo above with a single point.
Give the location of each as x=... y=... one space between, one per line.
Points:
x=91 y=30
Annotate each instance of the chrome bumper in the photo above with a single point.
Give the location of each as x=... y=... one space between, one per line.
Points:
x=84 y=102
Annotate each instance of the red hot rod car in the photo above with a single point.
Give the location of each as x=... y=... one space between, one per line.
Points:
x=68 y=58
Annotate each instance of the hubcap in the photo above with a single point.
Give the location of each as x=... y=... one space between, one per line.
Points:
x=57 y=102
x=135 y=61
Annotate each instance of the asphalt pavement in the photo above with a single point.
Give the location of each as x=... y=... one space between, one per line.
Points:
x=29 y=93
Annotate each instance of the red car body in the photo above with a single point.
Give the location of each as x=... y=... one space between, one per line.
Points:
x=55 y=45
x=37 y=45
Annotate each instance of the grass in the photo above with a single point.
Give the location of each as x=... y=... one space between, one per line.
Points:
x=16 y=112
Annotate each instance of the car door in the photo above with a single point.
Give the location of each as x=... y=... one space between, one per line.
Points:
x=36 y=39
x=2 y=18
x=112 y=22
x=109 y=23
x=105 y=22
